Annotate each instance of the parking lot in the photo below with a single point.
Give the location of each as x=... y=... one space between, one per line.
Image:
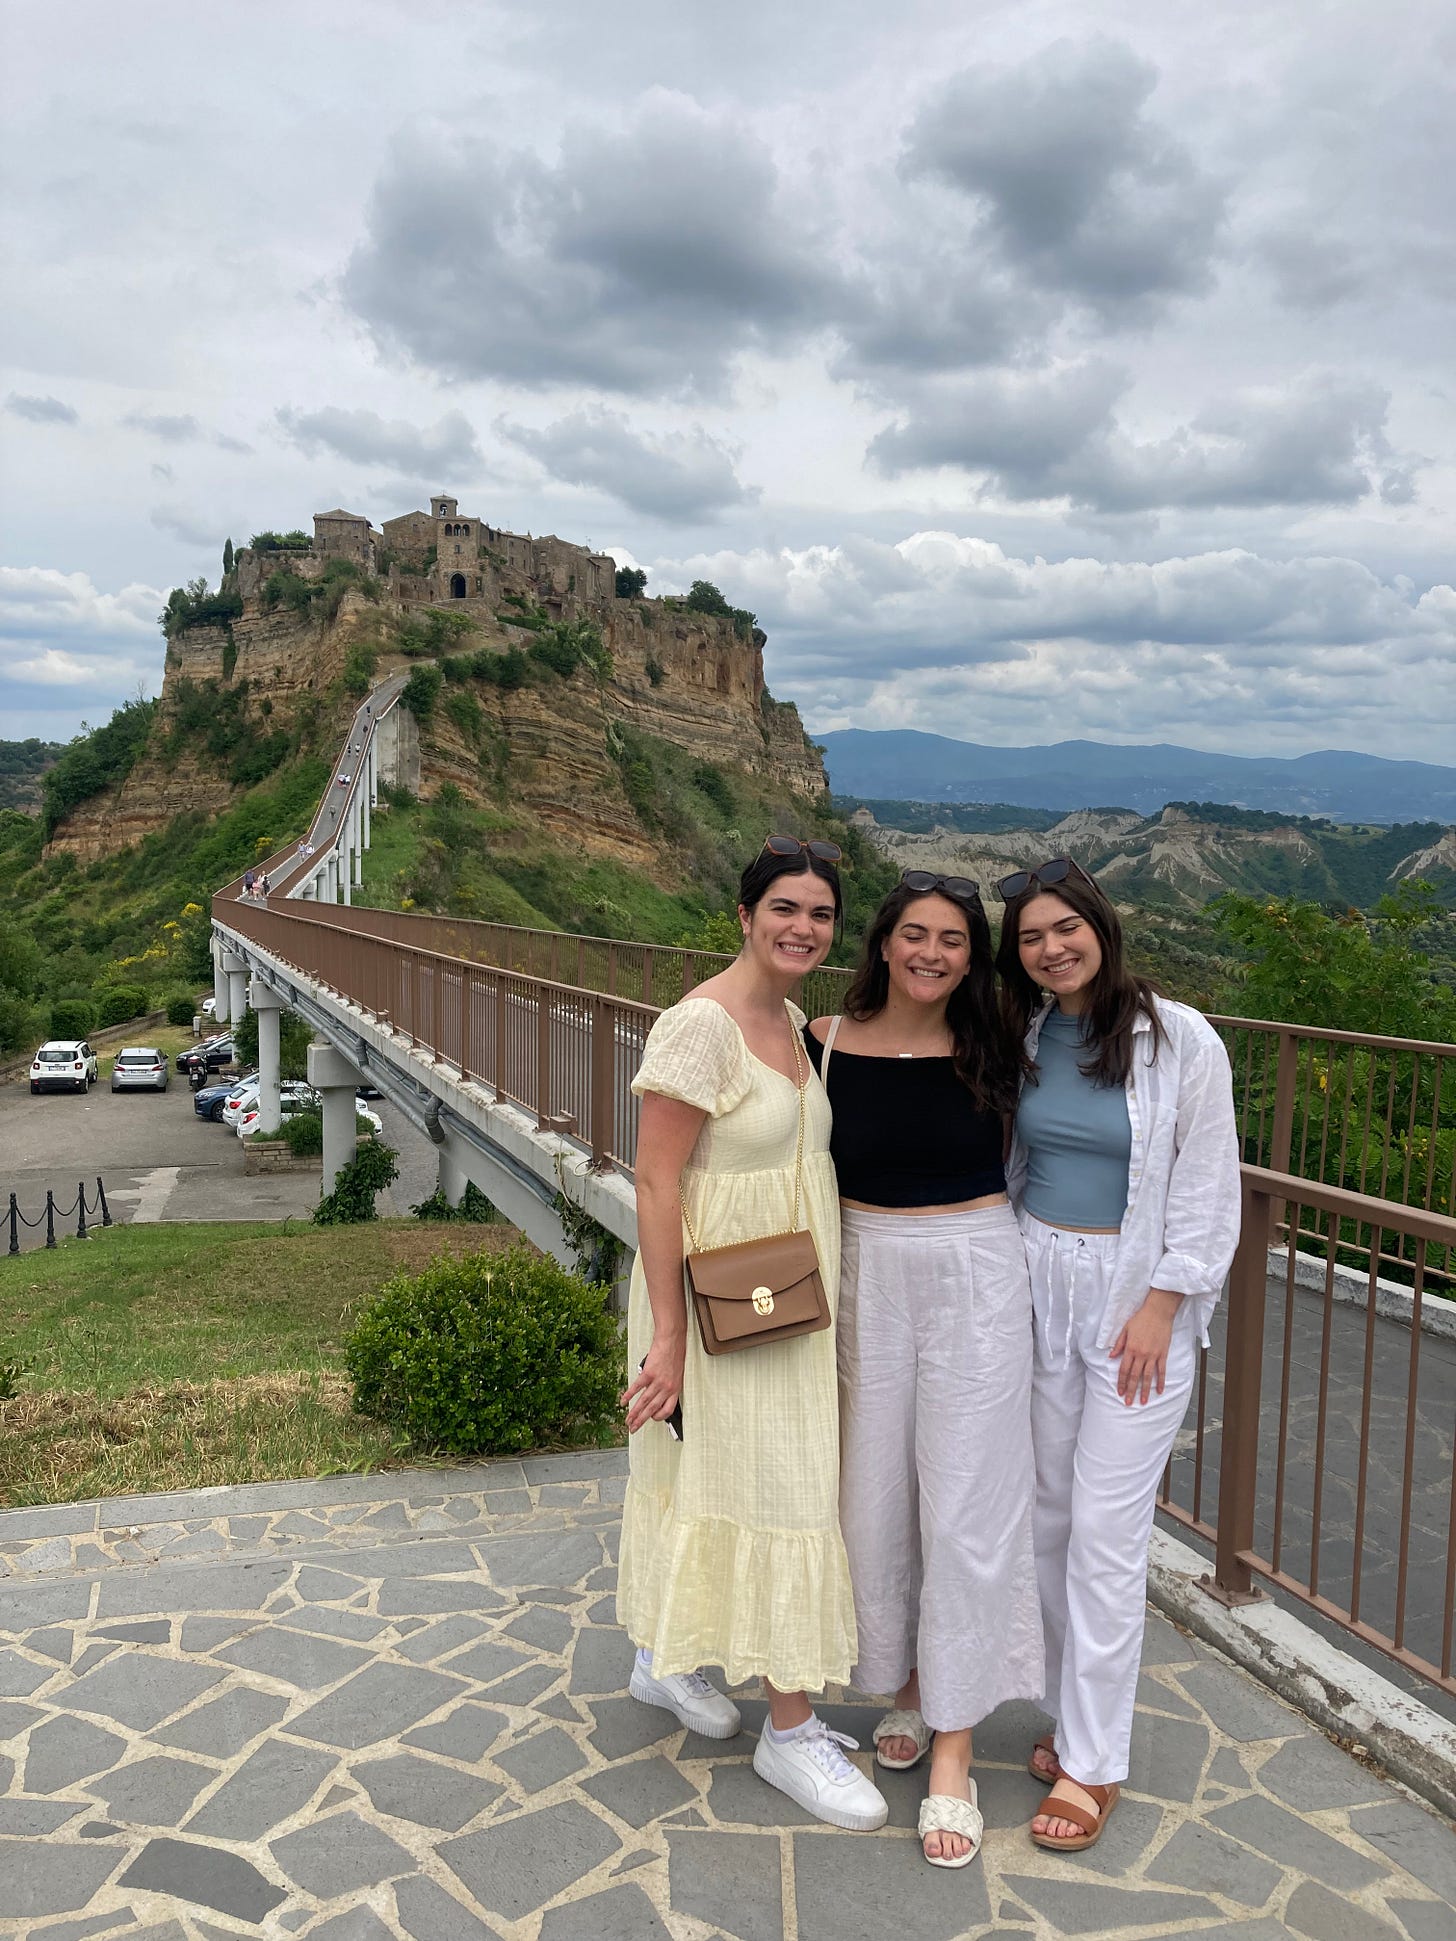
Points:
x=158 y=1161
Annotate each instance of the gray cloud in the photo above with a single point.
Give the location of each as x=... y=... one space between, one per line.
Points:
x=365 y=438
x=642 y=261
x=180 y=429
x=1053 y=434
x=179 y=523
x=41 y=411
x=683 y=476
x=1076 y=183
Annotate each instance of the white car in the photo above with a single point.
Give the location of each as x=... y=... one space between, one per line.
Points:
x=209 y=1007
x=294 y=1099
x=243 y=1094
x=64 y=1065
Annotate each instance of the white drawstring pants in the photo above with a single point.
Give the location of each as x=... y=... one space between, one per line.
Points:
x=936 y=1474
x=1098 y=1464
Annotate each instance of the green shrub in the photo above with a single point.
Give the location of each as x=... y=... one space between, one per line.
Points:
x=96 y=760
x=474 y=1206
x=74 y=1017
x=656 y=672
x=121 y=1003
x=421 y=691
x=367 y=1173
x=631 y=582
x=490 y=1354
x=182 y=1008
x=304 y=1134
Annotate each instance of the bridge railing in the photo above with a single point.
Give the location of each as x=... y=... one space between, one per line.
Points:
x=1321 y=1454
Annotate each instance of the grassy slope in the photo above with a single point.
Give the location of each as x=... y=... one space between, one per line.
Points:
x=170 y=1357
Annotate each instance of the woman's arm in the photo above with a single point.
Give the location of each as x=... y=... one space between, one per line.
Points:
x=667 y=1133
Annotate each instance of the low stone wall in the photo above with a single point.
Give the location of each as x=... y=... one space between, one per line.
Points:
x=277 y=1156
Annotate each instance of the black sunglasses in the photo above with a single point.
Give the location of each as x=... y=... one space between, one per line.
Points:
x=1045 y=875
x=964 y=888
x=827 y=852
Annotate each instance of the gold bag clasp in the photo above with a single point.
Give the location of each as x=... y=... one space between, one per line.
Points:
x=763 y=1300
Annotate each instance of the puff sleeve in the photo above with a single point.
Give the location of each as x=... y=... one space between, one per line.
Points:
x=695 y=1052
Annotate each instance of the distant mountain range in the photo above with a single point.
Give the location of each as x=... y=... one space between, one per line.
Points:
x=905 y=764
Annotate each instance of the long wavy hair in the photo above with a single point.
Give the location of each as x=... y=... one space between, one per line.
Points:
x=764 y=871
x=987 y=1058
x=1117 y=993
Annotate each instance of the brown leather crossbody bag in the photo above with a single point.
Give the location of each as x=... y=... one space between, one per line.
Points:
x=757 y=1291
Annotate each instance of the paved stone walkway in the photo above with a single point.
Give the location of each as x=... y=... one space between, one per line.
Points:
x=396 y=1706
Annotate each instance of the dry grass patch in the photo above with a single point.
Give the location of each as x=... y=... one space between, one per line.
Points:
x=59 y=1447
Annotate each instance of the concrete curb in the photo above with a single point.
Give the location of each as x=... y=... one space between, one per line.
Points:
x=1352 y=1289
x=1411 y=1742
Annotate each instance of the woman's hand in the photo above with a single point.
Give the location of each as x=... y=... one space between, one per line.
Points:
x=1142 y=1347
x=654 y=1394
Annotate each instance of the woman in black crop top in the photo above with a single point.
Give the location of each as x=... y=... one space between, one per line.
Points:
x=935 y=1344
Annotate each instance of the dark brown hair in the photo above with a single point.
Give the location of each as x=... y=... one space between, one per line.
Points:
x=1117 y=993
x=766 y=868
x=987 y=1059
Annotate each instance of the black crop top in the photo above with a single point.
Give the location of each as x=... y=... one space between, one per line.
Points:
x=907 y=1132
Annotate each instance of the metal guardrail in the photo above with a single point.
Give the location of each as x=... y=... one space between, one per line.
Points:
x=1338 y=1482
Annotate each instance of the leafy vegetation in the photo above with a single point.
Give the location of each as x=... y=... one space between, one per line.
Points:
x=98 y=758
x=356 y=1186
x=214 y=718
x=320 y=598
x=281 y=542
x=704 y=597
x=488 y=1355
x=631 y=582
x=23 y=765
x=195 y=605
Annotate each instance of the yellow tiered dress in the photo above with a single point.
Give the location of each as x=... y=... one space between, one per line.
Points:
x=731 y=1551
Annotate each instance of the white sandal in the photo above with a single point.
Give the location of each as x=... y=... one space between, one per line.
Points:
x=902 y=1725
x=943 y=1813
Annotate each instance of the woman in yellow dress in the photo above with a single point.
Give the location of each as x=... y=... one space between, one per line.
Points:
x=731 y=1549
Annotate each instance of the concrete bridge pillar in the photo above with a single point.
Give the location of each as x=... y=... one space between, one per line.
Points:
x=336 y=1080
x=452 y=1177
x=219 y=987
x=237 y=978
x=267 y=1003
x=360 y=840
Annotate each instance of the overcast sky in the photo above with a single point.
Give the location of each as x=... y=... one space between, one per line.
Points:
x=1032 y=370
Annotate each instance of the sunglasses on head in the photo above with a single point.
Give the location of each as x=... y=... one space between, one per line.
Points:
x=964 y=888
x=1045 y=876
x=826 y=852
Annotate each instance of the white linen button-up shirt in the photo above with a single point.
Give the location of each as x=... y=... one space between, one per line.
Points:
x=1183 y=1195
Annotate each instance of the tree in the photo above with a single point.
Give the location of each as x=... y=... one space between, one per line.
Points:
x=704 y=597
x=227 y=556
x=631 y=582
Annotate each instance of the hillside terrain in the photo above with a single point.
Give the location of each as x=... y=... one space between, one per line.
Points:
x=23 y=766
x=1345 y=787
x=1177 y=860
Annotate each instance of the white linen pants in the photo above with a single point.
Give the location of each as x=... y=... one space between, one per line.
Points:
x=1098 y=1464
x=936 y=1471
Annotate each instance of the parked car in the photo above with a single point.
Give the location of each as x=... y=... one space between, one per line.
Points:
x=212 y=1054
x=210 y=1100
x=140 y=1068
x=64 y=1065
x=209 y=1007
x=293 y=1097
x=243 y=1094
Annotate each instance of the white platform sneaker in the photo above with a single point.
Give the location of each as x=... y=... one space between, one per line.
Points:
x=687 y=1694
x=812 y=1769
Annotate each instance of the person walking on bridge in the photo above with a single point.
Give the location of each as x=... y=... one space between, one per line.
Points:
x=731 y=1547
x=1125 y=1173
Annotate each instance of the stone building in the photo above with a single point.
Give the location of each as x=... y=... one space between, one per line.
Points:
x=344 y=535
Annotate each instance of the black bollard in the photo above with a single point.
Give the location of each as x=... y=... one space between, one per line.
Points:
x=14 y=1226
x=50 y=1218
x=81 y=1209
x=101 y=1197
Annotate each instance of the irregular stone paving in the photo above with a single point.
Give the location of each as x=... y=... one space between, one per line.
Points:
x=383 y=1706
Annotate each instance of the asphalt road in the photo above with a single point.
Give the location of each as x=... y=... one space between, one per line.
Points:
x=157 y=1161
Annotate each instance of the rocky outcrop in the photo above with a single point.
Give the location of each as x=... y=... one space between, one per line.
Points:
x=694 y=680
x=1437 y=859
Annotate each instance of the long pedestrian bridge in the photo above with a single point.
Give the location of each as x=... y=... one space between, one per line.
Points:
x=1318 y=1455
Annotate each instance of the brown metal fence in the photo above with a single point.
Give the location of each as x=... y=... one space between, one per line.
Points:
x=1373 y=1116
x=1320 y=1454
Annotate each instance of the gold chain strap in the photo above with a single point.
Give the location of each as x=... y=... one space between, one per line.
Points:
x=801 y=1085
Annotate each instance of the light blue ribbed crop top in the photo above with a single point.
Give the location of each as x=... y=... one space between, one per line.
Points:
x=1077 y=1135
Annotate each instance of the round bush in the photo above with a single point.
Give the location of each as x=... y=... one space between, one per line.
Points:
x=489 y=1354
x=182 y=1008
x=121 y=1003
x=72 y=1017
x=305 y=1134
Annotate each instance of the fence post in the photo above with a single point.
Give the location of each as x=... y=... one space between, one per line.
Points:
x=14 y=1226
x=50 y=1218
x=1238 y=1469
x=603 y=1057
x=1281 y=1136
x=81 y=1209
x=543 y=1060
x=101 y=1197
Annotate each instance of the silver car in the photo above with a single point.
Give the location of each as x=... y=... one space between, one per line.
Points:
x=140 y=1068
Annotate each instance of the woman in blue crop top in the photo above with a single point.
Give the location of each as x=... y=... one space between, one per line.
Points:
x=936 y=1469
x=1124 y=1171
